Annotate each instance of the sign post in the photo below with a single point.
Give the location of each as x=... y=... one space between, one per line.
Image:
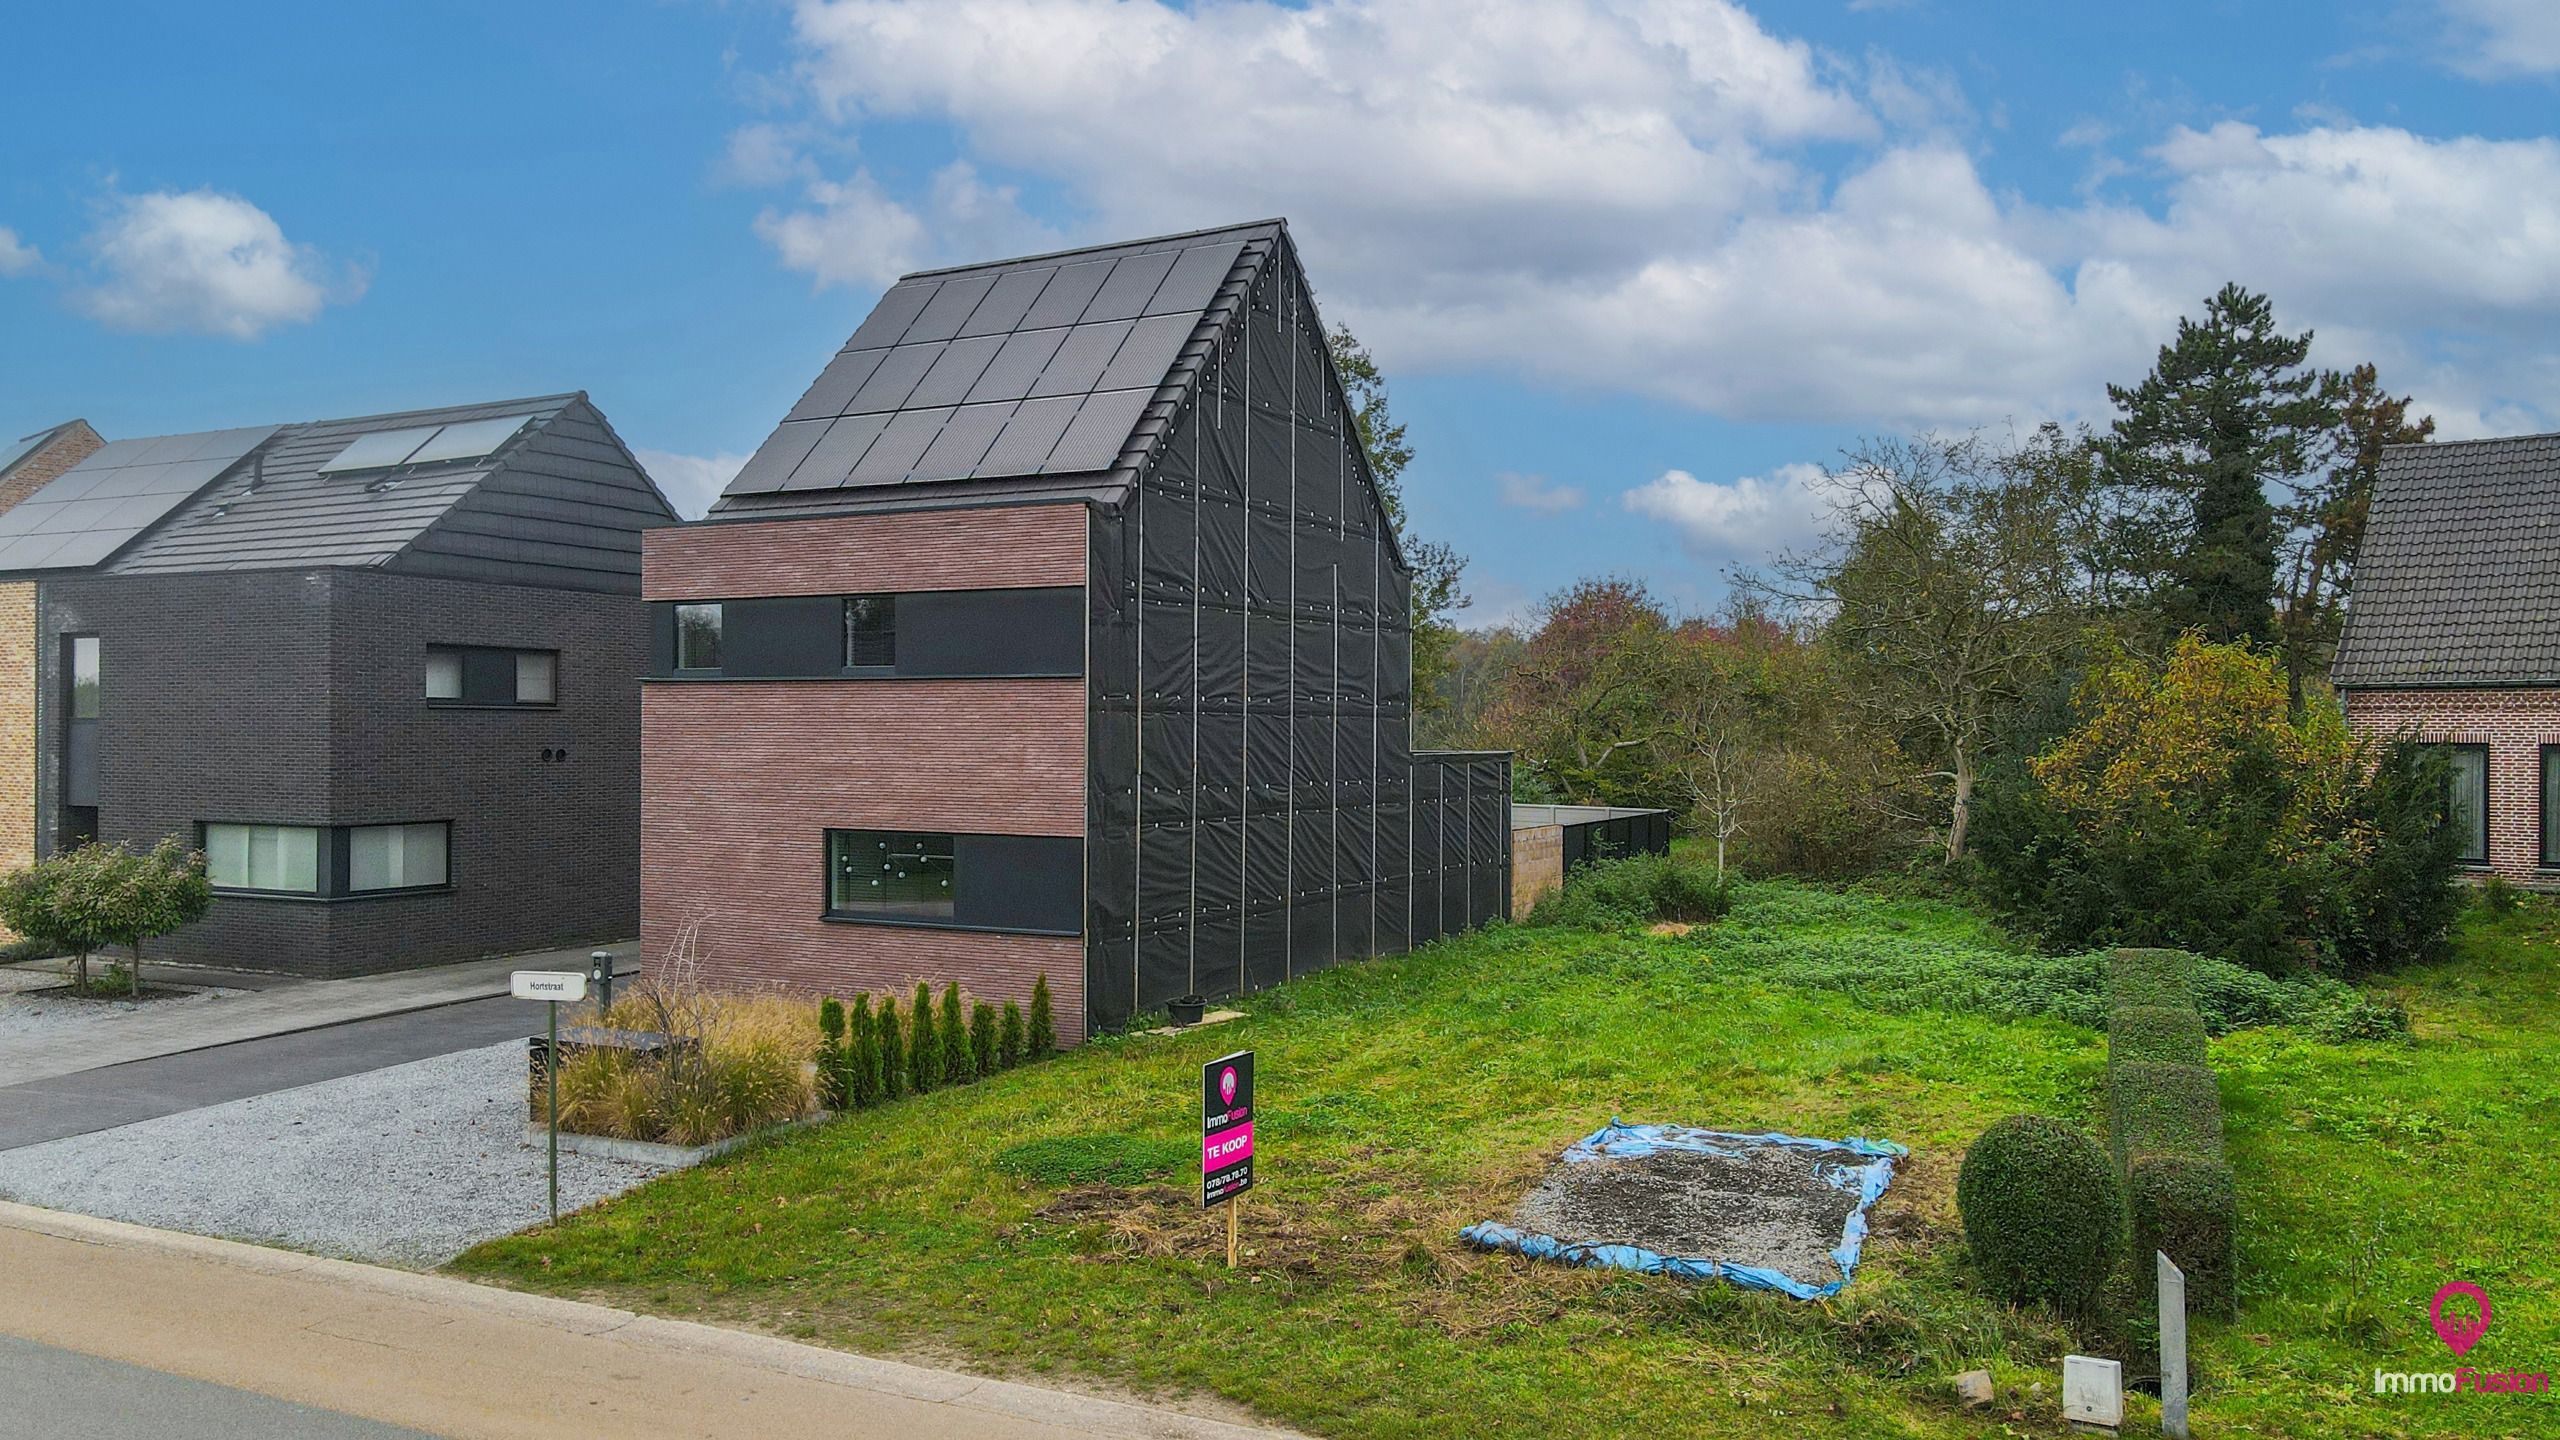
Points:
x=1226 y=1137
x=551 y=987
x=2173 y=1347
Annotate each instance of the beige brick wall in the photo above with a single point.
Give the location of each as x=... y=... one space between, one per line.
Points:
x=1537 y=866
x=76 y=443
x=2515 y=725
x=17 y=725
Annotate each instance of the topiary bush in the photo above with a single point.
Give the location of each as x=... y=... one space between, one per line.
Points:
x=2041 y=1212
x=924 y=1043
x=2187 y=1207
x=2150 y=977
x=2157 y=1109
x=1637 y=890
x=1043 y=1039
x=2156 y=1035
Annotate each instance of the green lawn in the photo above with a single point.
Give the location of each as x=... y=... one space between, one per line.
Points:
x=1403 y=1099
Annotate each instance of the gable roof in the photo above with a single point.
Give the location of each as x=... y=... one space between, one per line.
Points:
x=2458 y=580
x=26 y=447
x=1049 y=372
x=450 y=500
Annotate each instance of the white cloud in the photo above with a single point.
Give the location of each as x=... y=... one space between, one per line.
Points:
x=204 y=261
x=16 y=256
x=762 y=155
x=2498 y=39
x=1747 y=518
x=691 y=482
x=1537 y=492
x=1663 y=197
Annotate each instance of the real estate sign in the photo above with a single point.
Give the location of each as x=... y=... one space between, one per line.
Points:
x=1226 y=1128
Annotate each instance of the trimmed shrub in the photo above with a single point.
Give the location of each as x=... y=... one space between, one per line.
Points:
x=2041 y=1212
x=2186 y=1206
x=2155 y=1035
x=831 y=1066
x=2150 y=977
x=959 y=1066
x=893 y=1050
x=1637 y=890
x=862 y=1055
x=982 y=1038
x=1044 y=1030
x=2164 y=1110
x=1009 y=1036
x=924 y=1043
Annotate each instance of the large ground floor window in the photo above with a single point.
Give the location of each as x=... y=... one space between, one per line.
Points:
x=895 y=874
x=282 y=859
x=327 y=861
x=1008 y=884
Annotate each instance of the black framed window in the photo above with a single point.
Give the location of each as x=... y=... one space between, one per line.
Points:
x=2550 y=807
x=870 y=631
x=480 y=675
x=698 y=636
x=2467 y=803
x=327 y=862
x=891 y=874
x=398 y=857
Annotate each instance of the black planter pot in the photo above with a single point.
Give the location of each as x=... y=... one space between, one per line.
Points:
x=1188 y=1009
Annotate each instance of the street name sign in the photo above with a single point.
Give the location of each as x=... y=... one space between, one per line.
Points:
x=559 y=986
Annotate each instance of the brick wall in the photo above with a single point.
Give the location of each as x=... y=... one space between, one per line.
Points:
x=2514 y=724
x=1537 y=866
x=740 y=780
x=297 y=698
x=76 y=443
x=17 y=726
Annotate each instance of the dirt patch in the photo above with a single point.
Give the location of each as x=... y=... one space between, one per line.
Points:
x=1763 y=1205
x=1673 y=928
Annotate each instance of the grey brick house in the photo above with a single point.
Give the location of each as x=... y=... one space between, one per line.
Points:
x=2453 y=635
x=384 y=671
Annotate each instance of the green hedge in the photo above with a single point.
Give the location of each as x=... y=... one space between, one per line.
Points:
x=2155 y=1035
x=2164 y=1119
x=2186 y=1205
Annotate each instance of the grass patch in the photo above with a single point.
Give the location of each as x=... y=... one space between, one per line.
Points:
x=1096 y=1159
x=1403 y=1099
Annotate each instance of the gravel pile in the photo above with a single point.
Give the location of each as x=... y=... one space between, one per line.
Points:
x=35 y=1005
x=1768 y=1206
x=409 y=1165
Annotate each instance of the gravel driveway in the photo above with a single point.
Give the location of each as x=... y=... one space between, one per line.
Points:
x=409 y=1165
x=34 y=1005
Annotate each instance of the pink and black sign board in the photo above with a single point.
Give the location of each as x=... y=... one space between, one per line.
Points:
x=1226 y=1128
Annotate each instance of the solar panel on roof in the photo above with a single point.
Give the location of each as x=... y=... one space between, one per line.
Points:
x=1133 y=282
x=378 y=451
x=99 y=506
x=470 y=440
x=1080 y=361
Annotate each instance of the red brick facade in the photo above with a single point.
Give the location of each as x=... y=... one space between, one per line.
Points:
x=2514 y=724
x=741 y=779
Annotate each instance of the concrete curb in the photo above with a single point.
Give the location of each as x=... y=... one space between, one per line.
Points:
x=834 y=1367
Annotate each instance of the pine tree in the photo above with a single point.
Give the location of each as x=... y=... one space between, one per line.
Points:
x=1044 y=1029
x=893 y=1051
x=831 y=1075
x=864 y=1061
x=924 y=1043
x=982 y=1039
x=958 y=1067
x=2324 y=526
x=1009 y=1037
x=2227 y=410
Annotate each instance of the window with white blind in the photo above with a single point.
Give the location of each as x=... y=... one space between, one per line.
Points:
x=397 y=857
x=281 y=859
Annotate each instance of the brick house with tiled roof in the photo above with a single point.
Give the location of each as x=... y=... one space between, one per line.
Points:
x=2453 y=636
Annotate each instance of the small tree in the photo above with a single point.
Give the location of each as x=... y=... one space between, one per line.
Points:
x=1044 y=1029
x=924 y=1043
x=98 y=896
x=982 y=1038
x=863 y=1058
x=832 y=1090
x=893 y=1051
x=1009 y=1037
x=958 y=1063
x=31 y=903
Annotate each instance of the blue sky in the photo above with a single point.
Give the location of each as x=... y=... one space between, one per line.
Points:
x=1633 y=266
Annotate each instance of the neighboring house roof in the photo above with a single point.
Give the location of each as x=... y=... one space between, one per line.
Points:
x=29 y=461
x=1049 y=372
x=2458 y=579
x=536 y=490
x=26 y=445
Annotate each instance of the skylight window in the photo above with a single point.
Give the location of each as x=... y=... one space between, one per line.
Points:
x=471 y=440
x=379 y=451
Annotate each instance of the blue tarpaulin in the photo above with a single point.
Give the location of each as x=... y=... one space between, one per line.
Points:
x=1863 y=1166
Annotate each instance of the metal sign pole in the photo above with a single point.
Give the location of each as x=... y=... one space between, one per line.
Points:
x=2173 y=1347
x=551 y=1073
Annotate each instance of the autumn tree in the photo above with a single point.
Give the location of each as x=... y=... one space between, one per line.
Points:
x=2323 y=523
x=2228 y=410
x=1438 y=569
x=1583 y=708
x=1725 y=710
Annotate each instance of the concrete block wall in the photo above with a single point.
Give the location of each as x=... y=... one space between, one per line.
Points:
x=2514 y=724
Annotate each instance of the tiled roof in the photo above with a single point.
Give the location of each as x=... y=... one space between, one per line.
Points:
x=2458 y=582
x=1055 y=365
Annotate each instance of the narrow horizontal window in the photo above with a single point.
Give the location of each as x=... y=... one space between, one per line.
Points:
x=284 y=859
x=397 y=857
x=892 y=874
x=481 y=675
x=698 y=637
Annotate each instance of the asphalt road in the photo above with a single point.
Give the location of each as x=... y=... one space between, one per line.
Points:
x=115 y=1095
x=51 y=1394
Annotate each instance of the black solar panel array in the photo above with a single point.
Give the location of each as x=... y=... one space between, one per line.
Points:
x=1030 y=367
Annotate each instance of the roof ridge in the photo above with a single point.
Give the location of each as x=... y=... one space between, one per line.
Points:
x=1280 y=221
x=2473 y=440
